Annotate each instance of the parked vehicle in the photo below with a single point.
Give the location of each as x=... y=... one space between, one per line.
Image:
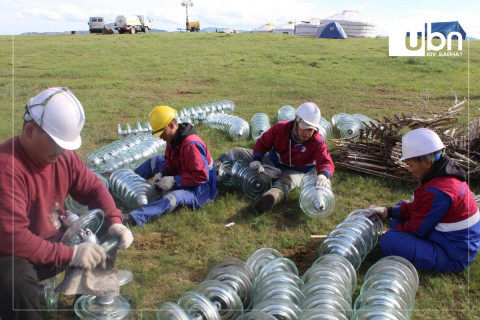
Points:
x=133 y=24
x=96 y=24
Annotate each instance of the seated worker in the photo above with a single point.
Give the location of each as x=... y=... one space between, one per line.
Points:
x=186 y=174
x=38 y=170
x=294 y=148
x=440 y=229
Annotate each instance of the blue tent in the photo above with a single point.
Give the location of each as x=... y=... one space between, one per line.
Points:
x=330 y=30
x=444 y=28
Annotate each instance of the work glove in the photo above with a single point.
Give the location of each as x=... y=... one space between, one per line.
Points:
x=322 y=181
x=125 y=235
x=257 y=166
x=381 y=212
x=272 y=171
x=88 y=256
x=156 y=178
x=166 y=183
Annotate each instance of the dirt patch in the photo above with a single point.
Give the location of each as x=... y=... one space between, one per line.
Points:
x=303 y=256
x=155 y=240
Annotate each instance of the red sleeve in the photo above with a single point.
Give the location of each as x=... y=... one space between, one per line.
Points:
x=87 y=188
x=264 y=143
x=17 y=239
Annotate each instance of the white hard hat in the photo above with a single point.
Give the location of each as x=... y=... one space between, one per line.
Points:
x=310 y=114
x=420 y=142
x=57 y=111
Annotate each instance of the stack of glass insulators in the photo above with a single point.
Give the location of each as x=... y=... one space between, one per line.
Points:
x=139 y=128
x=388 y=291
x=224 y=294
x=78 y=208
x=349 y=125
x=260 y=124
x=328 y=287
x=353 y=238
x=238 y=174
x=131 y=189
x=277 y=285
x=316 y=201
x=237 y=128
x=325 y=128
x=129 y=152
x=286 y=113
x=194 y=114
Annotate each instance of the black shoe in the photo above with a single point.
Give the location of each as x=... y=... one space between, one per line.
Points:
x=264 y=203
x=128 y=220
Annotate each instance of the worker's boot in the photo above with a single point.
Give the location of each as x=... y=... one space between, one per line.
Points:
x=267 y=200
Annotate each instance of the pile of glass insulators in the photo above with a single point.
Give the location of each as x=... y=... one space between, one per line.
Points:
x=316 y=201
x=194 y=114
x=268 y=286
x=128 y=152
x=353 y=238
x=237 y=128
x=138 y=129
x=133 y=190
x=238 y=174
x=388 y=290
x=260 y=124
x=78 y=208
x=349 y=125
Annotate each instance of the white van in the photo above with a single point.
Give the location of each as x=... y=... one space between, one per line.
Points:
x=96 y=24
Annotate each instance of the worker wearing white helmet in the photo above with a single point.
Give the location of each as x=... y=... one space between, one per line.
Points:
x=287 y=151
x=440 y=229
x=39 y=170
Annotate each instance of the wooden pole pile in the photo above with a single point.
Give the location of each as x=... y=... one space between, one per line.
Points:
x=378 y=147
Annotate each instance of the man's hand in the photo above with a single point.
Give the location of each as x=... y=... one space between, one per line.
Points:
x=156 y=178
x=166 y=183
x=125 y=235
x=88 y=256
x=322 y=181
x=381 y=212
x=257 y=166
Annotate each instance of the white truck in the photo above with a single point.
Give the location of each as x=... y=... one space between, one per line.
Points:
x=96 y=24
x=133 y=24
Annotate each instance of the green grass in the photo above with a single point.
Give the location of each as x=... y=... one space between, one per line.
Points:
x=120 y=78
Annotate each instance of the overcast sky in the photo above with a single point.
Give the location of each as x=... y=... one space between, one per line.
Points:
x=21 y=16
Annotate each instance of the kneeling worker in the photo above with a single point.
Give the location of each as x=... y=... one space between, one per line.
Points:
x=440 y=229
x=186 y=174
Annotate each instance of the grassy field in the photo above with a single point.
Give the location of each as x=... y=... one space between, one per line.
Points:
x=120 y=78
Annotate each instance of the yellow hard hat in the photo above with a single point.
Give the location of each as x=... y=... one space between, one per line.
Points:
x=159 y=118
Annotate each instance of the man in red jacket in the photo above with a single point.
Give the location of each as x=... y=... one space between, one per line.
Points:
x=440 y=229
x=38 y=170
x=294 y=148
x=186 y=175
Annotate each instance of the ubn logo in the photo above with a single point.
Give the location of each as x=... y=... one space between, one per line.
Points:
x=411 y=42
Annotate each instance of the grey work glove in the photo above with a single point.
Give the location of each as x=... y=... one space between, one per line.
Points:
x=88 y=256
x=322 y=181
x=156 y=178
x=166 y=183
x=381 y=212
x=272 y=171
x=256 y=166
x=125 y=235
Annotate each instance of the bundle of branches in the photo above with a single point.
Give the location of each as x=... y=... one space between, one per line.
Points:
x=378 y=147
